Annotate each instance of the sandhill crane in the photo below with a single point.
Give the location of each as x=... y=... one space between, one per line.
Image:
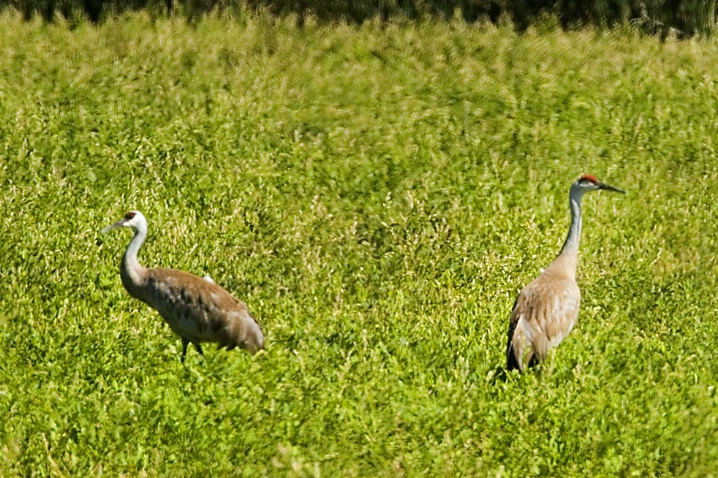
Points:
x=195 y=308
x=547 y=308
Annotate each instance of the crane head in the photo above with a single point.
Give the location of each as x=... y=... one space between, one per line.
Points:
x=133 y=219
x=588 y=183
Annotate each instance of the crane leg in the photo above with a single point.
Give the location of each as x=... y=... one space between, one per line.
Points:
x=533 y=361
x=184 y=348
x=185 y=343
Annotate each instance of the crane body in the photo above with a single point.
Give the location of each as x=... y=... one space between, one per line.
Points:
x=547 y=308
x=195 y=308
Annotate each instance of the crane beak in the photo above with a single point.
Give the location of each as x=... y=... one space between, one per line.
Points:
x=119 y=223
x=608 y=187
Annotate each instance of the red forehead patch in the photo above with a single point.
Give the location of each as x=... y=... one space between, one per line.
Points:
x=129 y=215
x=588 y=177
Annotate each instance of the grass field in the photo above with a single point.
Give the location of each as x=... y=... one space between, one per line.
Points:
x=378 y=196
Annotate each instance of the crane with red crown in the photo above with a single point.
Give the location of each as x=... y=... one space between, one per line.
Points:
x=547 y=308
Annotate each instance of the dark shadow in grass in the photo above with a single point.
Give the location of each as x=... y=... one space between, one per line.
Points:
x=501 y=374
x=498 y=374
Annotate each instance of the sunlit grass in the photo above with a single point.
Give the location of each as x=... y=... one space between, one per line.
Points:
x=378 y=196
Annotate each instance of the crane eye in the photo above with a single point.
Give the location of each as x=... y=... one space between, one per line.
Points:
x=129 y=215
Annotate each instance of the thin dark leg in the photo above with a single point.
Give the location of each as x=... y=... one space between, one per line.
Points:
x=184 y=348
x=534 y=361
x=198 y=347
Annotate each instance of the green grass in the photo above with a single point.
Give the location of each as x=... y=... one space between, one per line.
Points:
x=378 y=196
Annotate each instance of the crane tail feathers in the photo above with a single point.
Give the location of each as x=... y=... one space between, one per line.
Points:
x=512 y=358
x=511 y=362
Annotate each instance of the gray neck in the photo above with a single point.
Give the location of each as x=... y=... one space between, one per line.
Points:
x=574 y=232
x=131 y=271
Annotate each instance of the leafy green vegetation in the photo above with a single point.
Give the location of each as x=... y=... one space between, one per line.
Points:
x=378 y=195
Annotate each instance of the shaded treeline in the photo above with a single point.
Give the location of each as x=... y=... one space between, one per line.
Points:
x=683 y=17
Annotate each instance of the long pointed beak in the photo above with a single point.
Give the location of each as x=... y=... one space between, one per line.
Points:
x=119 y=223
x=608 y=187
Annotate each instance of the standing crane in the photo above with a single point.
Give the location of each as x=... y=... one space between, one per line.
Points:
x=547 y=308
x=195 y=308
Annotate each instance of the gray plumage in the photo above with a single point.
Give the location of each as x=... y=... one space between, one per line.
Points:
x=547 y=308
x=195 y=308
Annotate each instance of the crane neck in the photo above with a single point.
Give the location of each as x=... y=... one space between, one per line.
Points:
x=131 y=271
x=574 y=231
x=566 y=262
